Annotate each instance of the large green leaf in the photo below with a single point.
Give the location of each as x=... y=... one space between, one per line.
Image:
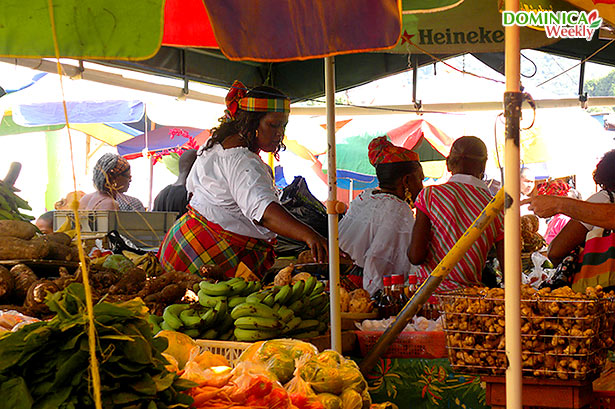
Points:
x=105 y=29
x=15 y=394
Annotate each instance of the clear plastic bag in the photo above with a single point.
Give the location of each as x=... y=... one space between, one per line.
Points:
x=279 y=356
x=12 y=320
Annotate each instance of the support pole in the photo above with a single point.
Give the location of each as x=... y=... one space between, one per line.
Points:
x=334 y=253
x=437 y=275
x=512 y=240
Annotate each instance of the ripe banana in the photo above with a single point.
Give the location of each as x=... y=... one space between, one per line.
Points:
x=297 y=293
x=266 y=323
x=251 y=335
x=253 y=309
x=283 y=294
x=215 y=290
x=190 y=318
x=171 y=315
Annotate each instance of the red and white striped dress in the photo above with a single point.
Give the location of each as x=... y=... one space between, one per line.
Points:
x=451 y=208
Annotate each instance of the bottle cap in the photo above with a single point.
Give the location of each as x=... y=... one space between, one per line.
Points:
x=386 y=281
x=412 y=279
x=397 y=279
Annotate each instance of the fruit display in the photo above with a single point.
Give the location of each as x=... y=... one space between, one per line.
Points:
x=45 y=364
x=564 y=334
x=241 y=310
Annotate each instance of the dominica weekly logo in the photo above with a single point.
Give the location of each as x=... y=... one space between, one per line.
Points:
x=557 y=24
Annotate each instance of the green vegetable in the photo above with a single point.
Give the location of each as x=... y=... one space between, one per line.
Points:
x=46 y=364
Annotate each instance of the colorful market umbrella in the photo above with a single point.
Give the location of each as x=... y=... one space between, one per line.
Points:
x=163 y=138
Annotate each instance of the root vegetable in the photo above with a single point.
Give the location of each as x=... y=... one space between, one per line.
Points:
x=60 y=238
x=24 y=278
x=12 y=248
x=7 y=282
x=169 y=294
x=35 y=299
x=130 y=283
x=17 y=229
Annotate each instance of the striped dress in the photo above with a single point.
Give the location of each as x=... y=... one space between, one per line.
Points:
x=451 y=208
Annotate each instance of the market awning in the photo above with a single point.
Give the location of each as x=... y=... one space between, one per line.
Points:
x=162 y=138
x=82 y=112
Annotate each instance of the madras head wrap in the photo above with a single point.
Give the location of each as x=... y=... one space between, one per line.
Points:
x=236 y=99
x=380 y=151
x=554 y=188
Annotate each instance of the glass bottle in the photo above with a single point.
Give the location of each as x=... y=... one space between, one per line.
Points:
x=386 y=305
x=397 y=292
x=412 y=286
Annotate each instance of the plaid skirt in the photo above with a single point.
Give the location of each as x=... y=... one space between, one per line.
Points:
x=194 y=241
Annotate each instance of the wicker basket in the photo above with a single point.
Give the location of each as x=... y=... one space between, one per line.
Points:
x=563 y=338
x=229 y=349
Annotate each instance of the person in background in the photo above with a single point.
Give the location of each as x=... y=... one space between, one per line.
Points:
x=235 y=213
x=527 y=180
x=377 y=229
x=575 y=231
x=174 y=198
x=444 y=212
x=111 y=177
x=45 y=222
x=65 y=202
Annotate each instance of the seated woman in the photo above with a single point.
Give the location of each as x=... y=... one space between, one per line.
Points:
x=234 y=213
x=575 y=231
x=377 y=229
x=111 y=177
x=444 y=212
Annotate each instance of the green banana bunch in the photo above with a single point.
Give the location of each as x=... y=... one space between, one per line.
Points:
x=251 y=335
x=171 y=316
x=10 y=204
x=155 y=322
x=253 y=309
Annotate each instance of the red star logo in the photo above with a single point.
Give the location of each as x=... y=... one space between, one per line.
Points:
x=406 y=38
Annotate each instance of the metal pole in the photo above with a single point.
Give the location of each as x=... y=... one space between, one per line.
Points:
x=334 y=253
x=437 y=275
x=512 y=233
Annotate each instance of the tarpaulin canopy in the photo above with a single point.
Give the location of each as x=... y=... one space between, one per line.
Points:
x=83 y=112
x=9 y=127
x=160 y=139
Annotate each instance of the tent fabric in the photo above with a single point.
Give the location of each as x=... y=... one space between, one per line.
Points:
x=105 y=29
x=9 y=127
x=606 y=8
x=161 y=139
x=84 y=112
x=186 y=24
x=103 y=133
x=414 y=133
x=309 y=28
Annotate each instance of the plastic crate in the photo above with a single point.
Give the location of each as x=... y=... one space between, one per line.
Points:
x=417 y=344
x=603 y=400
x=231 y=350
x=143 y=229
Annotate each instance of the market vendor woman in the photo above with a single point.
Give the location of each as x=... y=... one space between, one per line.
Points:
x=377 y=229
x=234 y=213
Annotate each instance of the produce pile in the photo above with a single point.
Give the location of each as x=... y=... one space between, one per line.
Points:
x=114 y=277
x=19 y=240
x=45 y=364
x=313 y=379
x=356 y=301
x=241 y=310
x=564 y=334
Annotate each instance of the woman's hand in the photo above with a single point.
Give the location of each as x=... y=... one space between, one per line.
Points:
x=319 y=247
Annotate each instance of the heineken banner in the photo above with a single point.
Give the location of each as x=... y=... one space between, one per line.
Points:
x=472 y=26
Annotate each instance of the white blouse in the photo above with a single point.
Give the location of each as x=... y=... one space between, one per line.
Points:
x=232 y=187
x=376 y=233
